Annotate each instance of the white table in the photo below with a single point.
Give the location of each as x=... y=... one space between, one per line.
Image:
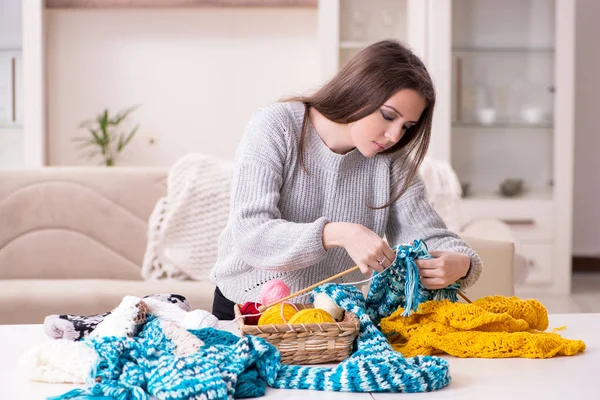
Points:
x=576 y=377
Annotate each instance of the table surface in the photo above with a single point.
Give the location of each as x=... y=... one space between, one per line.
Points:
x=556 y=378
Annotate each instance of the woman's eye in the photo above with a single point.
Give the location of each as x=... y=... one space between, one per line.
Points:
x=386 y=117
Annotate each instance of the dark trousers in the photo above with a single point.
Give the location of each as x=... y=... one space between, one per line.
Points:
x=222 y=306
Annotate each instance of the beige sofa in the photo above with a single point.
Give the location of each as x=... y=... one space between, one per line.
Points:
x=72 y=240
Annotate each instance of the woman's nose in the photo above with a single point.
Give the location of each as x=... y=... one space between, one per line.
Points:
x=395 y=134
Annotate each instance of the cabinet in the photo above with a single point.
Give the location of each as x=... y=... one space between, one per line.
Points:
x=347 y=26
x=11 y=89
x=504 y=77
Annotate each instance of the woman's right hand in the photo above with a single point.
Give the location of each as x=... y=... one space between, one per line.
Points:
x=364 y=246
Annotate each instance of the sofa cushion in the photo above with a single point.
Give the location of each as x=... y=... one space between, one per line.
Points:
x=29 y=301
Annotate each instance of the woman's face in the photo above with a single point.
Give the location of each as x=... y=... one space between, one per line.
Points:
x=386 y=126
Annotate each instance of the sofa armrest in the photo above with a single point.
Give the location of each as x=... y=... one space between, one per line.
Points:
x=498 y=267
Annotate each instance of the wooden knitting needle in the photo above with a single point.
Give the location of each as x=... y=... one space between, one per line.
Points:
x=308 y=289
x=464 y=296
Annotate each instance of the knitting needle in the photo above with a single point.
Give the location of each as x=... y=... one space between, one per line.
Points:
x=308 y=289
x=464 y=296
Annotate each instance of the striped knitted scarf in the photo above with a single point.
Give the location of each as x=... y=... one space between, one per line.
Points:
x=228 y=366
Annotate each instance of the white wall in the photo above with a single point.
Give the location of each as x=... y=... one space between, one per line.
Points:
x=11 y=140
x=198 y=74
x=11 y=148
x=586 y=235
x=10 y=24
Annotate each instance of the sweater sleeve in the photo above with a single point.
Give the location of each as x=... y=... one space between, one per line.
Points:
x=264 y=239
x=412 y=217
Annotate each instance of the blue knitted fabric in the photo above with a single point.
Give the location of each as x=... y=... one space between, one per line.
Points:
x=373 y=367
x=400 y=286
x=229 y=366
x=226 y=366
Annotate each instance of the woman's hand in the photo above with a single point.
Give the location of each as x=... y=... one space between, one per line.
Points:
x=364 y=246
x=445 y=268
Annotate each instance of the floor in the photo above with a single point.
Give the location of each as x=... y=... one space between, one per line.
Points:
x=585 y=296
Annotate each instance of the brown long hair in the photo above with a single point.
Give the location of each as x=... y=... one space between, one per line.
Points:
x=363 y=85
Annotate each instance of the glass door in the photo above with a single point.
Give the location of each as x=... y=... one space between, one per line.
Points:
x=365 y=22
x=11 y=88
x=503 y=97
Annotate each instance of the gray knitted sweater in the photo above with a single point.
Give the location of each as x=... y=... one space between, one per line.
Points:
x=275 y=226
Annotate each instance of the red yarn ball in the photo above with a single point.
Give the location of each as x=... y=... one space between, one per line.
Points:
x=250 y=308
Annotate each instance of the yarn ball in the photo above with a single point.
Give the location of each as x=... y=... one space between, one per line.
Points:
x=250 y=308
x=274 y=290
x=198 y=319
x=311 y=316
x=278 y=314
x=326 y=303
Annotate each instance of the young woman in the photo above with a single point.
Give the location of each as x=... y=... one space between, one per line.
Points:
x=320 y=179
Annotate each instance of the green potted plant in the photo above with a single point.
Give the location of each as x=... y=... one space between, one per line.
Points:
x=108 y=137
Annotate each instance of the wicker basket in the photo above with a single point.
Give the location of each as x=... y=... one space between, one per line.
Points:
x=307 y=343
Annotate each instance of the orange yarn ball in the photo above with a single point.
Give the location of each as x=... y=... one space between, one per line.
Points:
x=278 y=314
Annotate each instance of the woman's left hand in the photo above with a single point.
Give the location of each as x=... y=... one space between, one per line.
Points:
x=445 y=268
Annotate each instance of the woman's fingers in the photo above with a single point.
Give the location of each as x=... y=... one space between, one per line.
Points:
x=429 y=273
x=430 y=263
x=390 y=256
x=365 y=269
x=377 y=266
x=433 y=283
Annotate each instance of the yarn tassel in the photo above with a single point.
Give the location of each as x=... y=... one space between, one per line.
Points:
x=450 y=292
x=414 y=292
x=411 y=287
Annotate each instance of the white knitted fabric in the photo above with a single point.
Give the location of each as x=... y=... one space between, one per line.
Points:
x=165 y=311
x=184 y=228
x=121 y=322
x=185 y=342
x=443 y=190
x=168 y=312
x=58 y=361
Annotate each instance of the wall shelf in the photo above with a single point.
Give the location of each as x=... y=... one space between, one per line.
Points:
x=502 y=125
x=479 y=49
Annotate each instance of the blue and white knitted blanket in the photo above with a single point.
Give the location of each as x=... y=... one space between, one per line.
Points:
x=228 y=366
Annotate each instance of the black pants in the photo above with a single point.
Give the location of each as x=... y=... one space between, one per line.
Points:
x=222 y=306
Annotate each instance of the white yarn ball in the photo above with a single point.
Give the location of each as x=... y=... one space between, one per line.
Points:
x=199 y=319
x=326 y=303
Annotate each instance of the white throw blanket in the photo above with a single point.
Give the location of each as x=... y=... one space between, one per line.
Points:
x=184 y=228
x=443 y=191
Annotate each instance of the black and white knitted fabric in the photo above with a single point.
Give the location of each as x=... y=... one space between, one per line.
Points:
x=75 y=327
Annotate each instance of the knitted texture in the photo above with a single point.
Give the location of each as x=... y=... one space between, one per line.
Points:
x=225 y=366
x=58 y=361
x=278 y=210
x=125 y=320
x=373 y=367
x=444 y=191
x=491 y=327
x=216 y=366
x=75 y=327
x=400 y=286
x=184 y=227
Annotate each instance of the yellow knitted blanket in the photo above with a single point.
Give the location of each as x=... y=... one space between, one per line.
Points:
x=491 y=327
